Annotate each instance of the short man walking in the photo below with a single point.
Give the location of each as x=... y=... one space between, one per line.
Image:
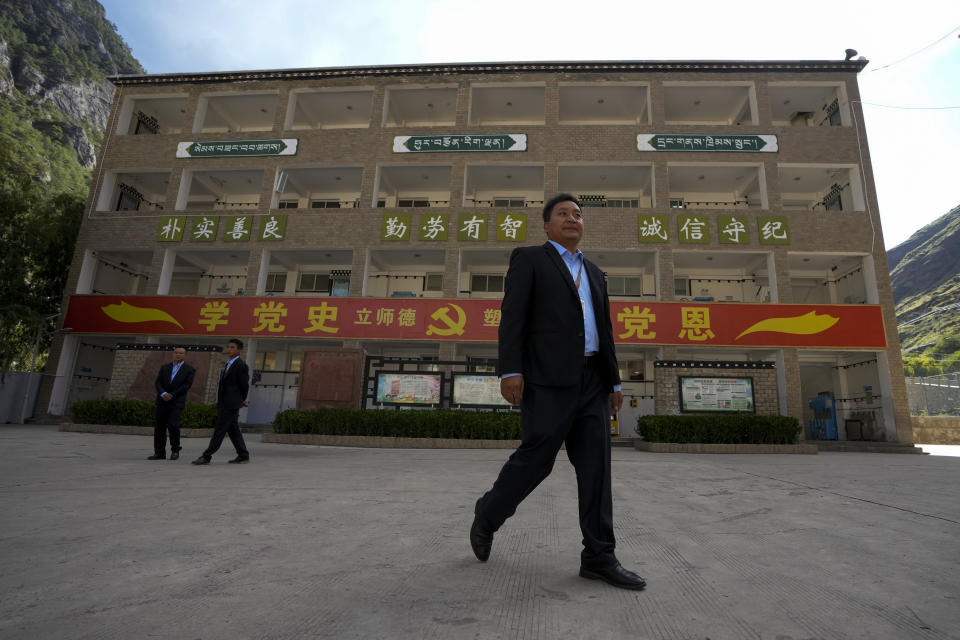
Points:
x=173 y=381
x=231 y=395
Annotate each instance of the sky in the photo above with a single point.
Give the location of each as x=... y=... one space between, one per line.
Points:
x=913 y=49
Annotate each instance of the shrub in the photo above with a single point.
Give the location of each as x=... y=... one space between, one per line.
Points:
x=138 y=413
x=739 y=428
x=439 y=423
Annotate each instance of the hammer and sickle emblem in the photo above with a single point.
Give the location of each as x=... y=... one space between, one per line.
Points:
x=453 y=326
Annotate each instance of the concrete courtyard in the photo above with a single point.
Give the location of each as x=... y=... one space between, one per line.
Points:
x=323 y=542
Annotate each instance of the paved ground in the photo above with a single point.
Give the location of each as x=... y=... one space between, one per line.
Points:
x=311 y=542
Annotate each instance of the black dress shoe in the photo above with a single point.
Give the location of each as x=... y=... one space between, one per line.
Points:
x=157 y=457
x=481 y=540
x=614 y=574
x=238 y=460
x=201 y=460
x=175 y=455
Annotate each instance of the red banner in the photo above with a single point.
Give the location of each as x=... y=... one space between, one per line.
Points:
x=655 y=323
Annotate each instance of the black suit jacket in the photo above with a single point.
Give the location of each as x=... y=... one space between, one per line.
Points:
x=233 y=387
x=541 y=324
x=177 y=387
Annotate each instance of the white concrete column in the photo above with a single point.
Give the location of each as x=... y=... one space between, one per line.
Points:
x=772 y=282
x=166 y=271
x=88 y=272
x=782 y=406
x=887 y=416
x=60 y=394
x=263 y=273
x=869 y=271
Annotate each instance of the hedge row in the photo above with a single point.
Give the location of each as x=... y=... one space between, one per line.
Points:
x=439 y=423
x=138 y=413
x=720 y=429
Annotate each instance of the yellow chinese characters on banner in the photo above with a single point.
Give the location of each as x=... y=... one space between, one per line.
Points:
x=695 y=324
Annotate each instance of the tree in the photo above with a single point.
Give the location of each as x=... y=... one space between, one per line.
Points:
x=38 y=232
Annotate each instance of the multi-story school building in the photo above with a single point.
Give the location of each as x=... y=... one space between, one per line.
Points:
x=731 y=205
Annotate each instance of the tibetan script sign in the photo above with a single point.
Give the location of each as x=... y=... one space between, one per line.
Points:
x=696 y=142
x=237 y=148
x=483 y=142
x=858 y=326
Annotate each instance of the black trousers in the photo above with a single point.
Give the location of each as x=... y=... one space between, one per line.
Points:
x=552 y=416
x=227 y=425
x=168 y=419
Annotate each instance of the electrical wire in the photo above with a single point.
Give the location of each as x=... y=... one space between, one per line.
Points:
x=909 y=55
x=893 y=106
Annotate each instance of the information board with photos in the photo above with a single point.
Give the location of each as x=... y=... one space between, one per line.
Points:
x=409 y=388
x=477 y=390
x=717 y=395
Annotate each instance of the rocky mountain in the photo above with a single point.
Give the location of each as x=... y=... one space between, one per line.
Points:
x=55 y=56
x=925 y=274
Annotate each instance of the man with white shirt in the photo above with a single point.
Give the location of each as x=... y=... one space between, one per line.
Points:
x=173 y=381
x=231 y=395
x=558 y=363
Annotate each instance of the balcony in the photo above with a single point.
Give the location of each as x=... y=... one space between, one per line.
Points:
x=504 y=186
x=716 y=186
x=307 y=272
x=721 y=276
x=704 y=103
x=151 y=116
x=611 y=186
x=820 y=188
x=134 y=191
x=317 y=188
x=124 y=272
x=410 y=185
x=220 y=190
x=339 y=108
x=213 y=272
x=507 y=105
x=818 y=278
x=420 y=106
x=235 y=113
x=482 y=273
x=405 y=273
x=808 y=105
x=604 y=104
x=631 y=275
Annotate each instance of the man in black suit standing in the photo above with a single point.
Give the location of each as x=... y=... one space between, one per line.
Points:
x=231 y=395
x=173 y=381
x=557 y=361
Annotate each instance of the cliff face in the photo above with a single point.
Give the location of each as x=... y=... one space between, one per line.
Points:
x=54 y=59
x=925 y=275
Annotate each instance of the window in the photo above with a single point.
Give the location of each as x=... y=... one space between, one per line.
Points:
x=267 y=361
x=625 y=285
x=127 y=202
x=623 y=203
x=288 y=204
x=433 y=282
x=413 y=203
x=632 y=370
x=681 y=287
x=381 y=204
x=676 y=204
x=324 y=204
x=482 y=283
x=481 y=365
x=314 y=282
x=294 y=362
x=426 y=365
x=146 y=125
x=276 y=282
x=509 y=202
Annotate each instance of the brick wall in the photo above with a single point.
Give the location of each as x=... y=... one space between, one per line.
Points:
x=668 y=372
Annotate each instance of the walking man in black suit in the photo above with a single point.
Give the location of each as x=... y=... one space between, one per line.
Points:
x=231 y=395
x=173 y=381
x=557 y=361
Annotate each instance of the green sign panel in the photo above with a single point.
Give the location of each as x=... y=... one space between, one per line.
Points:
x=433 y=227
x=733 y=230
x=171 y=229
x=484 y=142
x=395 y=227
x=237 y=148
x=773 y=230
x=237 y=228
x=511 y=227
x=653 y=228
x=766 y=143
x=693 y=229
x=472 y=228
x=204 y=229
x=273 y=228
